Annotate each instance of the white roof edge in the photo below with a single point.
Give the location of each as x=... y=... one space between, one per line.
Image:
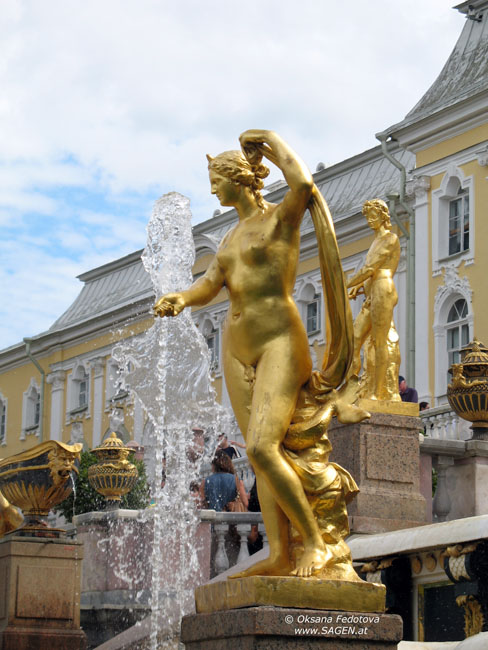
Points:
x=411 y=540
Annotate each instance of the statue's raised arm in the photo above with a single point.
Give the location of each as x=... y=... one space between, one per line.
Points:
x=257 y=143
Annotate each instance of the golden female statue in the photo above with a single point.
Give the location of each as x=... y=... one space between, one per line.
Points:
x=375 y=320
x=265 y=346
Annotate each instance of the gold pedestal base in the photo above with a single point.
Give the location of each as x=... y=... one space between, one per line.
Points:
x=388 y=406
x=289 y=591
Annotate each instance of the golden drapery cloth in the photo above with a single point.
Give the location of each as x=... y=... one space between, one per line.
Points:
x=339 y=330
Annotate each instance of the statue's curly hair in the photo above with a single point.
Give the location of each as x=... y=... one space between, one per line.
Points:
x=234 y=166
x=381 y=208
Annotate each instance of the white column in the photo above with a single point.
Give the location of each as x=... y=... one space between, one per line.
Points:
x=97 y=365
x=57 y=380
x=421 y=186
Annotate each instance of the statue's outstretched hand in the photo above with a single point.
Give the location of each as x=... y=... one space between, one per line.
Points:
x=169 y=305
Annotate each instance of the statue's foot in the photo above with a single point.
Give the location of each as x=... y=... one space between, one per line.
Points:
x=312 y=562
x=268 y=567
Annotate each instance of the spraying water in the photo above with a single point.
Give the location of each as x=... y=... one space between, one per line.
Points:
x=168 y=369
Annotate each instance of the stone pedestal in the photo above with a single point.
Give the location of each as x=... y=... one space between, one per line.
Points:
x=382 y=454
x=467 y=481
x=275 y=628
x=40 y=594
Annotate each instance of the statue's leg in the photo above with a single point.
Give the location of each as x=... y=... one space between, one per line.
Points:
x=280 y=374
x=383 y=300
x=239 y=390
x=362 y=328
x=276 y=523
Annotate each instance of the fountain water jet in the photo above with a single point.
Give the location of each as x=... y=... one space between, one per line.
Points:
x=168 y=369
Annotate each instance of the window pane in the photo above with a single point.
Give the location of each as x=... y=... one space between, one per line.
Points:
x=453 y=315
x=37 y=410
x=454 y=226
x=453 y=339
x=464 y=335
x=453 y=357
x=312 y=317
x=83 y=391
x=213 y=347
x=454 y=208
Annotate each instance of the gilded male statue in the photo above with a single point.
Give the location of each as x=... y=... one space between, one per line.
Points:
x=375 y=320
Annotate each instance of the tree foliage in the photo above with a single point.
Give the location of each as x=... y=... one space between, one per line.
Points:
x=85 y=499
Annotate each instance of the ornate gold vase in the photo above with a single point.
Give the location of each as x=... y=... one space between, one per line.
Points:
x=113 y=475
x=37 y=480
x=468 y=391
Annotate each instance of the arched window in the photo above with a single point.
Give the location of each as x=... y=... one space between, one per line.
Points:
x=79 y=389
x=212 y=338
x=211 y=335
x=457 y=330
x=313 y=314
x=453 y=326
x=310 y=307
x=116 y=382
x=83 y=390
x=32 y=408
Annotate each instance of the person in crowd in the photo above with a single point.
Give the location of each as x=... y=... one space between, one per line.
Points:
x=229 y=447
x=195 y=493
x=254 y=539
x=406 y=393
x=218 y=489
x=424 y=406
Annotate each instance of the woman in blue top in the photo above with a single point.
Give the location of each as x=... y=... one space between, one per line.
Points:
x=221 y=486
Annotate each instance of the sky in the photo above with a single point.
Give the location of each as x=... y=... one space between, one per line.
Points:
x=107 y=105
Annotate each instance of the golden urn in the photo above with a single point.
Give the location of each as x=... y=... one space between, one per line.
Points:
x=37 y=480
x=468 y=391
x=113 y=475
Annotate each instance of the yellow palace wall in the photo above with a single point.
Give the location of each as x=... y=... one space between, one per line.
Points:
x=476 y=273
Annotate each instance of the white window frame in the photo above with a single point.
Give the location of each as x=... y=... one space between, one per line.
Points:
x=315 y=302
x=31 y=398
x=113 y=390
x=460 y=324
x=452 y=182
x=211 y=331
x=81 y=372
x=208 y=321
x=444 y=302
x=308 y=290
x=462 y=198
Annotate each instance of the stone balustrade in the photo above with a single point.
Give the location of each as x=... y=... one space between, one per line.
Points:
x=443 y=424
x=226 y=550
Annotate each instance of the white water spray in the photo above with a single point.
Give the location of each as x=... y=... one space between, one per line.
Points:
x=170 y=374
